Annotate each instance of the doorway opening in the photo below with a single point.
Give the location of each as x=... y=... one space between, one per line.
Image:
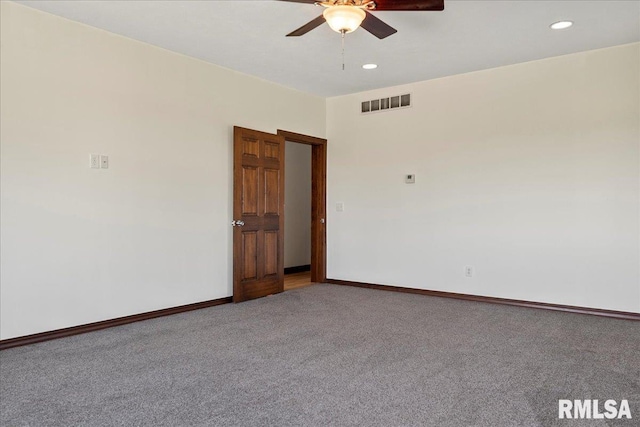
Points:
x=305 y=209
x=297 y=215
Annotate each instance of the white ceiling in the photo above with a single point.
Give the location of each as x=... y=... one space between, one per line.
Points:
x=249 y=36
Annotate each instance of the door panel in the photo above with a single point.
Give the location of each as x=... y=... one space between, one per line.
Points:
x=271 y=150
x=272 y=192
x=251 y=147
x=270 y=252
x=250 y=187
x=258 y=202
x=249 y=255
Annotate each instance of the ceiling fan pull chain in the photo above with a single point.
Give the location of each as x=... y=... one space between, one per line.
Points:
x=342 y=32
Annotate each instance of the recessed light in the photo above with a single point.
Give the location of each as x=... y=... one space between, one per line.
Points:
x=561 y=25
x=369 y=66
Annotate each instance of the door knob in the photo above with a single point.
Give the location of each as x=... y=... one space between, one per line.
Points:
x=238 y=223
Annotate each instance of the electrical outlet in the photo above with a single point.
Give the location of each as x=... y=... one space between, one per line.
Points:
x=339 y=207
x=468 y=271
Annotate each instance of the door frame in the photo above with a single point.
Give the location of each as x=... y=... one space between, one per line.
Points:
x=318 y=200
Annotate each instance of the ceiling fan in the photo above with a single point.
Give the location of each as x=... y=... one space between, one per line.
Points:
x=345 y=16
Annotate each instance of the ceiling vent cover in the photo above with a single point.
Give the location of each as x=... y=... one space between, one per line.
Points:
x=386 y=104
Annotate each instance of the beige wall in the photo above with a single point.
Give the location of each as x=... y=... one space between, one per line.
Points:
x=528 y=173
x=152 y=231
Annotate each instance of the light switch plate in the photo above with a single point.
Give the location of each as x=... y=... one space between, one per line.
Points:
x=104 y=162
x=410 y=178
x=94 y=161
x=339 y=207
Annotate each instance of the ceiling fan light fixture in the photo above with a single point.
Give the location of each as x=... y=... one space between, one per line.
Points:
x=344 y=19
x=370 y=66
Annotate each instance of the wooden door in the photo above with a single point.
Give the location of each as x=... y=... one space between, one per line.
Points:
x=258 y=214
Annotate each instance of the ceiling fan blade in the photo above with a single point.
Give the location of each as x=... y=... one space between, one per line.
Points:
x=307 y=27
x=409 y=5
x=377 y=27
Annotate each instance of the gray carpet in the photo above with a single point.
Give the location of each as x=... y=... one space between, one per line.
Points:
x=328 y=355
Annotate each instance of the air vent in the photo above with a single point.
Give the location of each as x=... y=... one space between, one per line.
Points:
x=386 y=104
